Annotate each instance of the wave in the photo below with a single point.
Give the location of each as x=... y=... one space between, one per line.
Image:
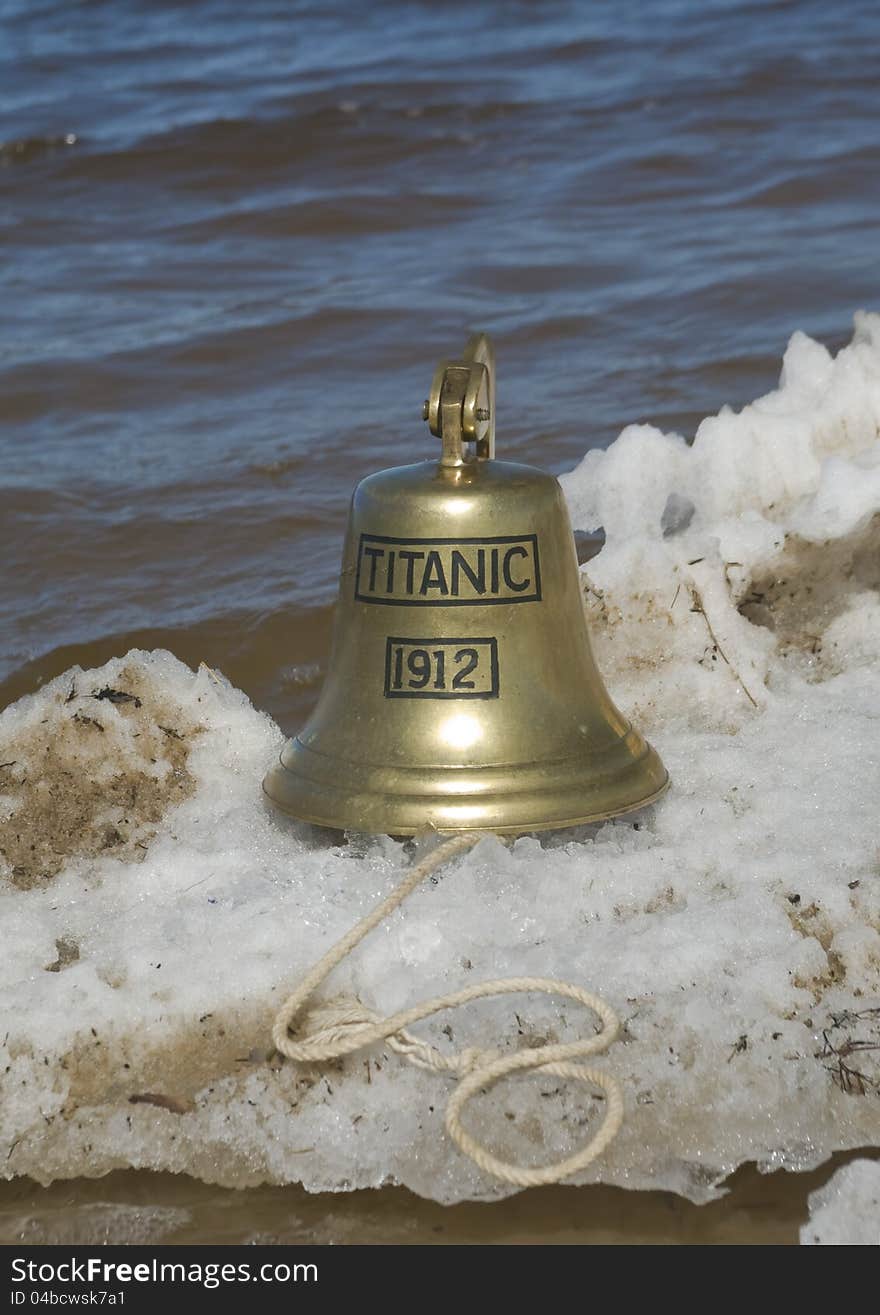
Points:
x=27 y=149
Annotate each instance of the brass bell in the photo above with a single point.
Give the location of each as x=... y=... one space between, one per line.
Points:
x=462 y=692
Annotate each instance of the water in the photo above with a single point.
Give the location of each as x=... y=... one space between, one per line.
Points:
x=237 y=238
x=132 y=1207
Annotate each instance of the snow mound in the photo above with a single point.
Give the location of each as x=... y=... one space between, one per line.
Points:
x=154 y=912
x=846 y=1211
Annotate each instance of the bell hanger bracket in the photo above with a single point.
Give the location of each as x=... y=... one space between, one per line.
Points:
x=461 y=408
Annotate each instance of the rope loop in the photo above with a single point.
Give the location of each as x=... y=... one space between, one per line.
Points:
x=343 y=1026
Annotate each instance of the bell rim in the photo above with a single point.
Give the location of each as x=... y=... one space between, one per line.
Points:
x=337 y=822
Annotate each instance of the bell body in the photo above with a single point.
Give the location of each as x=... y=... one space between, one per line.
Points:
x=462 y=692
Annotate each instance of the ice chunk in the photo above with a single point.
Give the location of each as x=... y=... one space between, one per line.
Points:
x=154 y=912
x=846 y=1211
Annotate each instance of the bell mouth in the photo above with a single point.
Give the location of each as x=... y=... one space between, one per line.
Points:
x=507 y=800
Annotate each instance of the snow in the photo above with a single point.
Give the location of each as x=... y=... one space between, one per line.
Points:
x=154 y=912
x=846 y=1211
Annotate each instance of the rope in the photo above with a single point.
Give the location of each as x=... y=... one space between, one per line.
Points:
x=342 y=1026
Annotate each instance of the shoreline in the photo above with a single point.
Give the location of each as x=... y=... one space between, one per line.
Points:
x=131 y=1206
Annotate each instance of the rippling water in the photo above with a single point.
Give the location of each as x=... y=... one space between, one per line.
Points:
x=238 y=237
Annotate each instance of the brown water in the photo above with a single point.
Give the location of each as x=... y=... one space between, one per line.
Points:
x=237 y=238
x=162 y=1208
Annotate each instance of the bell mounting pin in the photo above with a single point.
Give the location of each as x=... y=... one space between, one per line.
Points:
x=461 y=407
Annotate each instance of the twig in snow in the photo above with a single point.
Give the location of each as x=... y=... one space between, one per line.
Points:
x=697 y=606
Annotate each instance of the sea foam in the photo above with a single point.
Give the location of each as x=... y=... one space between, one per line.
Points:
x=154 y=911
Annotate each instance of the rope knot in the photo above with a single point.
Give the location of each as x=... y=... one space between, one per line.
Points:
x=329 y=1029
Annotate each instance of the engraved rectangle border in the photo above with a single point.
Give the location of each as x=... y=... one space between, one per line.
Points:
x=460 y=642
x=447 y=602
